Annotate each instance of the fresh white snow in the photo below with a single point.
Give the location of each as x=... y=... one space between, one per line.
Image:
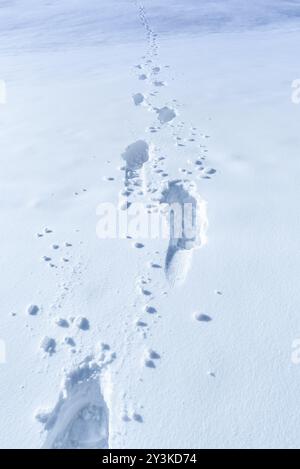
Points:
x=178 y=341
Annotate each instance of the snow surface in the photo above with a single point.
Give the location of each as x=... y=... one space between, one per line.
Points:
x=149 y=343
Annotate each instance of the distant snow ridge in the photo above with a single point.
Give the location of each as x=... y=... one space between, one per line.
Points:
x=80 y=419
x=187 y=228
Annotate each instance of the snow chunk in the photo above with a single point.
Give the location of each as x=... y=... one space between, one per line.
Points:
x=82 y=323
x=33 y=310
x=150 y=310
x=61 y=322
x=203 y=317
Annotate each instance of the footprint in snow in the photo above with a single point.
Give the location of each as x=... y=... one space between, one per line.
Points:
x=187 y=228
x=48 y=344
x=138 y=98
x=165 y=114
x=80 y=419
